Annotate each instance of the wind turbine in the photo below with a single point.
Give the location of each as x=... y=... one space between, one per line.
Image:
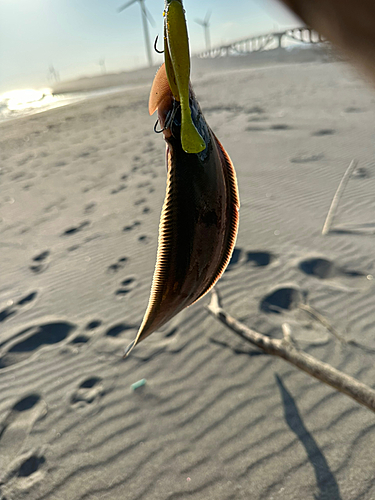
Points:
x=206 y=25
x=102 y=65
x=146 y=16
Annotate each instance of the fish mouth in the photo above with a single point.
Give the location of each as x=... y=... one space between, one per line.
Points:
x=170 y=112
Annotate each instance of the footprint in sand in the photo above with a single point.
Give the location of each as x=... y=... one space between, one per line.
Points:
x=254 y=258
x=75 y=229
x=83 y=338
x=255 y=128
x=256 y=110
x=40 y=262
x=116 y=330
x=261 y=118
x=88 y=392
x=92 y=325
x=260 y=259
x=127 y=286
x=144 y=239
x=30 y=465
x=324 y=131
x=361 y=173
x=17 y=425
x=144 y=184
x=30 y=297
x=276 y=126
x=119 y=188
x=117 y=266
x=24 y=471
x=140 y=201
x=171 y=332
x=280 y=126
x=131 y=226
x=325 y=269
x=7 y=313
x=290 y=303
x=353 y=109
x=16 y=307
x=116 y=337
x=24 y=343
x=306 y=158
x=90 y=207
x=282 y=299
x=80 y=339
x=73 y=248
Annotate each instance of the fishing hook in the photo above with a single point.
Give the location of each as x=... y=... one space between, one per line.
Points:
x=169 y=118
x=158 y=131
x=155 y=48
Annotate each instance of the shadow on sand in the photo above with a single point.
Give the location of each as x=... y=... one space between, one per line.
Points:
x=326 y=482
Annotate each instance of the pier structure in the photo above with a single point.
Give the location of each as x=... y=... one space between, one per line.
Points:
x=260 y=43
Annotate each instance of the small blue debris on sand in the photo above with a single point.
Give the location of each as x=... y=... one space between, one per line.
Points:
x=138 y=384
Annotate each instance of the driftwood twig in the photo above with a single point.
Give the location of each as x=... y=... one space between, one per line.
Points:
x=319 y=317
x=285 y=349
x=337 y=197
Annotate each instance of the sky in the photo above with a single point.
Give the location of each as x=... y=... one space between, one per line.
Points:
x=74 y=35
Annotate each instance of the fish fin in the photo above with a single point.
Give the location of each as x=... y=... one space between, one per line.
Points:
x=150 y=322
x=230 y=173
x=231 y=185
x=160 y=90
x=128 y=349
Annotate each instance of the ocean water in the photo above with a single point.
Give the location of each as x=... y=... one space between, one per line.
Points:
x=18 y=103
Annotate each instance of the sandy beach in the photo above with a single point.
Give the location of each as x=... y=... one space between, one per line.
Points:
x=81 y=193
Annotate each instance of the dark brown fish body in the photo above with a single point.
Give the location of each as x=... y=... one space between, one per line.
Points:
x=198 y=223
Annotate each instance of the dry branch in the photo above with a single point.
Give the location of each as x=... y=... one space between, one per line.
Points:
x=337 y=197
x=319 y=317
x=285 y=349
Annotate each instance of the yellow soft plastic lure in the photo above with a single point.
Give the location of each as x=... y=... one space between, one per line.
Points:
x=199 y=219
x=177 y=65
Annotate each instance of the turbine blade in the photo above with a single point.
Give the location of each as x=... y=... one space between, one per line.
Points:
x=198 y=21
x=149 y=17
x=125 y=6
x=208 y=15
